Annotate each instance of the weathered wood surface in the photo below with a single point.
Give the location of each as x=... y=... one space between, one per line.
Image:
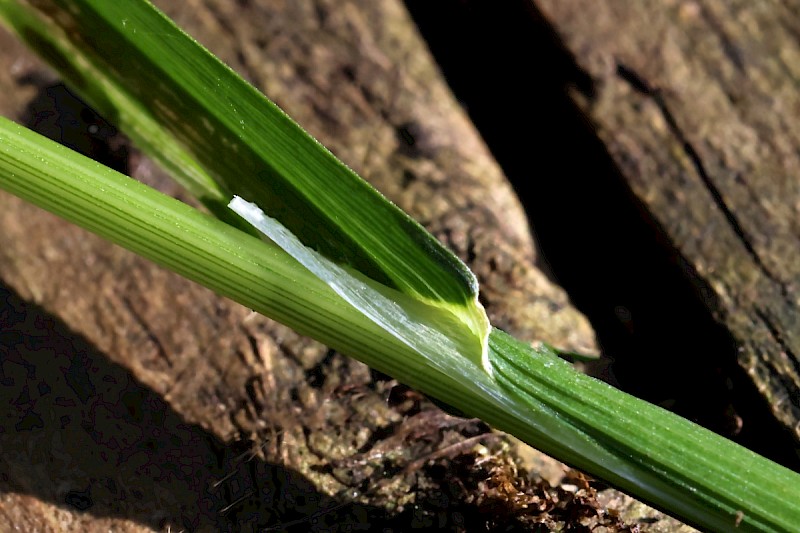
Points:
x=655 y=148
x=126 y=385
x=698 y=104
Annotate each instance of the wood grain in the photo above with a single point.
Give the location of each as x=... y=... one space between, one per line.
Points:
x=697 y=104
x=177 y=377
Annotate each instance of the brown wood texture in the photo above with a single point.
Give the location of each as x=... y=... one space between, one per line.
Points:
x=128 y=387
x=698 y=104
x=655 y=149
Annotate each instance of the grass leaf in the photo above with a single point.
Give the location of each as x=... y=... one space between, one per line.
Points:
x=184 y=106
x=132 y=61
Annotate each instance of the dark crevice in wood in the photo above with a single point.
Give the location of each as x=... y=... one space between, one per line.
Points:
x=794 y=360
x=731 y=51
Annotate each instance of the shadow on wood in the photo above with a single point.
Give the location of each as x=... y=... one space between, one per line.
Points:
x=654 y=316
x=81 y=432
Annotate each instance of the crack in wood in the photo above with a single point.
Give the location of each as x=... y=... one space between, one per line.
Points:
x=790 y=383
x=641 y=85
x=145 y=327
x=731 y=51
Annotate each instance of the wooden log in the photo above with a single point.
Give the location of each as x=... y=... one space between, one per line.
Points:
x=653 y=147
x=128 y=385
x=697 y=104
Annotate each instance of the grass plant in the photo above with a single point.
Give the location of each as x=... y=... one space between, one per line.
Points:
x=340 y=263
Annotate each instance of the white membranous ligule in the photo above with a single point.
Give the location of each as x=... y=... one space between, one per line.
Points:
x=445 y=335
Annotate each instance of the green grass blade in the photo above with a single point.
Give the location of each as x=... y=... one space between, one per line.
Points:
x=231 y=262
x=659 y=457
x=224 y=138
x=643 y=449
x=249 y=146
x=114 y=101
x=221 y=137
